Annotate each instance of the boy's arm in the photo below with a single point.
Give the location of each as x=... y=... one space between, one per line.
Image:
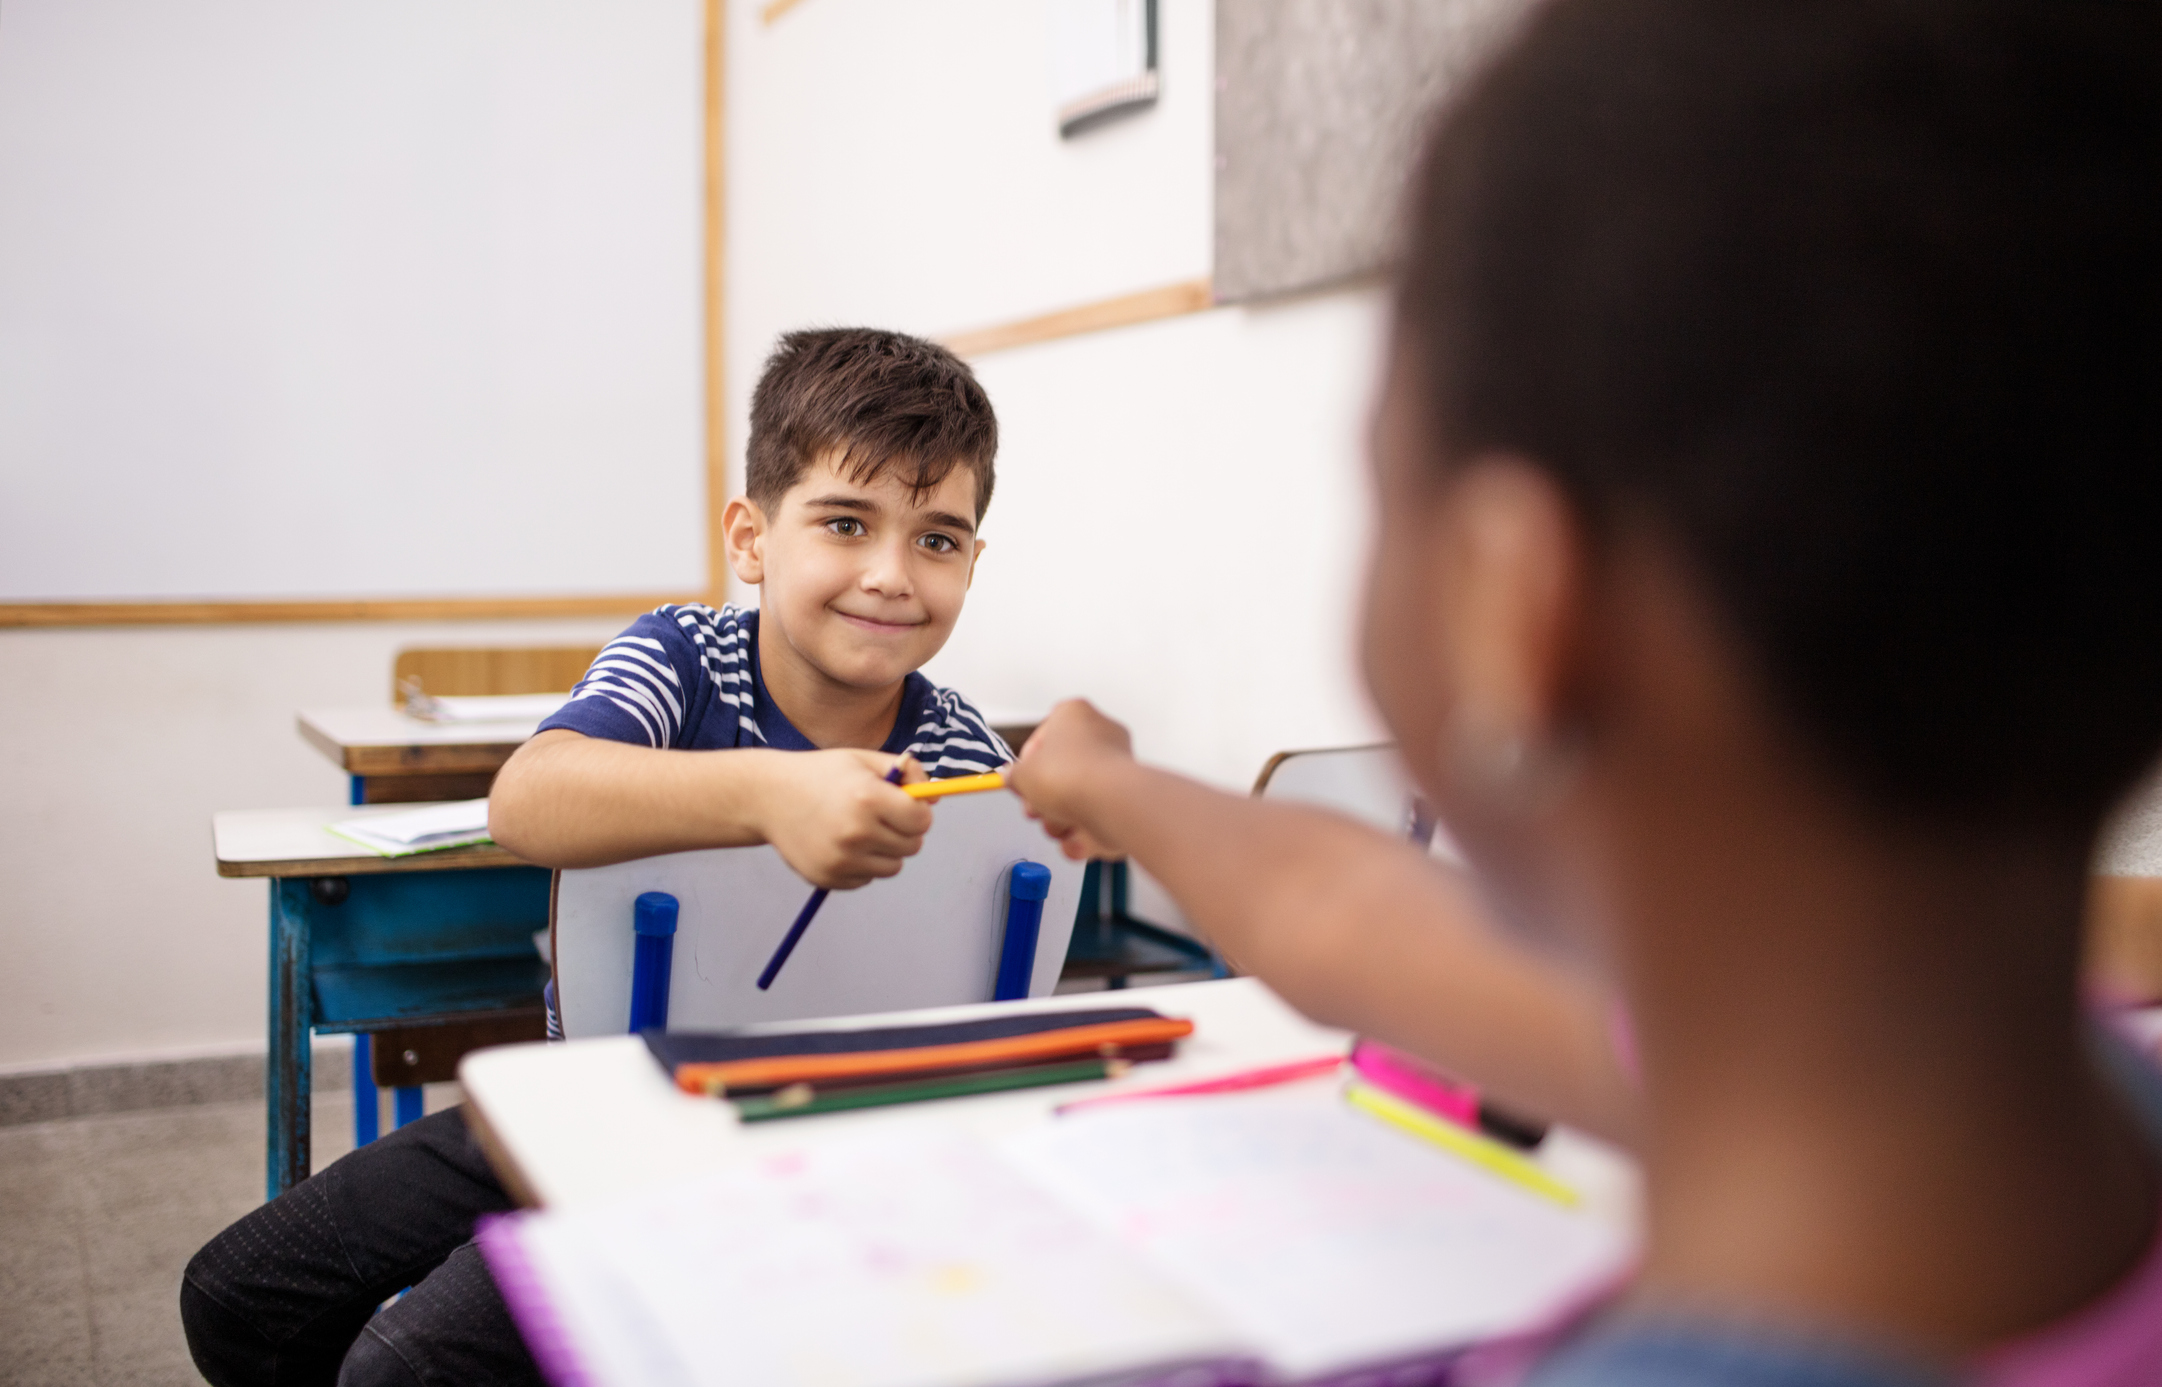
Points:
x=1353 y=927
x=568 y=800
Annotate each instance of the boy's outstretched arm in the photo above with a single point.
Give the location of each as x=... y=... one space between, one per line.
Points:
x=1354 y=928
x=568 y=800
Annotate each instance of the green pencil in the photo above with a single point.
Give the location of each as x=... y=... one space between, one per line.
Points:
x=801 y=1100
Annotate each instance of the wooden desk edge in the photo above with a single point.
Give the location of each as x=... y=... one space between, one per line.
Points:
x=450 y=859
x=322 y=741
x=406 y=758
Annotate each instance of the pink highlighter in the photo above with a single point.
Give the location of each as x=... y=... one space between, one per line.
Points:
x=1421 y=1084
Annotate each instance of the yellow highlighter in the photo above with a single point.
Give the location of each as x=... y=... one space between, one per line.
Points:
x=959 y=785
x=1487 y=1154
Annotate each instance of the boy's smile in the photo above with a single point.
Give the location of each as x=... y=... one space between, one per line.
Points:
x=860 y=584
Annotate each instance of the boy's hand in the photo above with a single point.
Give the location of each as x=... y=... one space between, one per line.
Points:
x=1060 y=767
x=833 y=817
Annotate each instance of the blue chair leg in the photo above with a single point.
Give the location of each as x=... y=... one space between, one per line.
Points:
x=367 y=1109
x=409 y=1104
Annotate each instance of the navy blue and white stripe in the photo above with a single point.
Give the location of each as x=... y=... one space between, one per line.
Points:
x=686 y=677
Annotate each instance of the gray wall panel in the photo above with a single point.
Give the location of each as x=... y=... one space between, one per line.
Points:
x=1319 y=108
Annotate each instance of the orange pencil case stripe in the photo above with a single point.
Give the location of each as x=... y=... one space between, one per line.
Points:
x=795 y=1069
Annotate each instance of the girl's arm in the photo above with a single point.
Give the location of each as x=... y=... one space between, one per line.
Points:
x=1353 y=927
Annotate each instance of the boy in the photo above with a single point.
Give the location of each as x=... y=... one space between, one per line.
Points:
x=869 y=468
x=1764 y=589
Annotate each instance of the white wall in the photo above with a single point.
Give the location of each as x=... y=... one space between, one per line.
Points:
x=1176 y=531
x=117 y=937
x=1179 y=506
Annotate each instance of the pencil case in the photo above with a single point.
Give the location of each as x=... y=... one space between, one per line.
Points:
x=734 y=1064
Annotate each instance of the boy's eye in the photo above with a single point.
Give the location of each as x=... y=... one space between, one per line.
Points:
x=846 y=526
x=939 y=544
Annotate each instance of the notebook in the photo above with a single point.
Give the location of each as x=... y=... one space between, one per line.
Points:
x=1273 y=1237
x=485 y=708
x=429 y=828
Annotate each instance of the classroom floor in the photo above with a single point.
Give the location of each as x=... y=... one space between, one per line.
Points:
x=99 y=1215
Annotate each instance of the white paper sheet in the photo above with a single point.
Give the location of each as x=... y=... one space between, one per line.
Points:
x=921 y=1261
x=457 y=824
x=1325 y=1238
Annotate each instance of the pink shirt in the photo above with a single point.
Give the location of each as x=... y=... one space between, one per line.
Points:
x=2115 y=1342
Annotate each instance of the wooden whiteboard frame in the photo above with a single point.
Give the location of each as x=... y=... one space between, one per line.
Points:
x=200 y=612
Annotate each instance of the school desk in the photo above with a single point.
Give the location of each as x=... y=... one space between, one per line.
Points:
x=361 y=943
x=582 y=1120
x=393 y=758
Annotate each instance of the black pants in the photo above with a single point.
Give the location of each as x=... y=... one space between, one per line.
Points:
x=288 y=1295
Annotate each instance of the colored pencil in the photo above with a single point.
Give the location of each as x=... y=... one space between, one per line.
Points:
x=805 y=916
x=1078 y=1041
x=958 y=785
x=805 y=1100
x=1224 y=1083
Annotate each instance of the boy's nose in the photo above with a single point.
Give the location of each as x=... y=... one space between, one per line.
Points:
x=887 y=572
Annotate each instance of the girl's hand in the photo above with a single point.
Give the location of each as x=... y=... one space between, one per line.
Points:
x=1061 y=773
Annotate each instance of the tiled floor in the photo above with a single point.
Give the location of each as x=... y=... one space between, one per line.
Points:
x=98 y=1215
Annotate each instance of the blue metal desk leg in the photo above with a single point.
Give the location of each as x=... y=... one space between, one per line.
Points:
x=409 y=1102
x=286 y=1081
x=367 y=1107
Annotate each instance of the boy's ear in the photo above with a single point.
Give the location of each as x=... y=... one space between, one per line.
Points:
x=972 y=566
x=743 y=535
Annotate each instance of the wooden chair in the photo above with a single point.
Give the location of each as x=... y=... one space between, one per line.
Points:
x=402 y=1058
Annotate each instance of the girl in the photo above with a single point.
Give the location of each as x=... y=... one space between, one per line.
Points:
x=1764 y=587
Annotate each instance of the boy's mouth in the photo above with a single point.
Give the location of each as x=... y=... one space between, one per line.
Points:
x=874 y=626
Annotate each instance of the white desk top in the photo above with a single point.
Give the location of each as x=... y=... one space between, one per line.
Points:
x=298 y=843
x=582 y=1120
x=380 y=740
x=380 y=726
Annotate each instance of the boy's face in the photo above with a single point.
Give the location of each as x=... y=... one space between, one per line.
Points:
x=861 y=584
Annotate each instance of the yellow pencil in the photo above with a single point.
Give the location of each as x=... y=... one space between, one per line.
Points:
x=959 y=785
x=1487 y=1154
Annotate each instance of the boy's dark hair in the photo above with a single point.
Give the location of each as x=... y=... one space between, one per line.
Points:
x=885 y=400
x=1857 y=301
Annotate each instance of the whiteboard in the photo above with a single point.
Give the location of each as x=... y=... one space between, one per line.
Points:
x=928 y=937
x=322 y=299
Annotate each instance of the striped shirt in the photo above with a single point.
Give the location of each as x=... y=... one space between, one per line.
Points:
x=687 y=678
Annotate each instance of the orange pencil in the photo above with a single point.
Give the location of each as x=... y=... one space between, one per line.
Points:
x=959 y=785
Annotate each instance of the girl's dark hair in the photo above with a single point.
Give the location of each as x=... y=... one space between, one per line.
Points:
x=886 y=401
x=1857 y=300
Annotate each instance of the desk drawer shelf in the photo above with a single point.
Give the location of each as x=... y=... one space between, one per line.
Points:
x=418 y=994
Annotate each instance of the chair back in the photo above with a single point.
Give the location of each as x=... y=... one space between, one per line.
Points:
x=928 y=937
x=1367 y=783
x=477 y=672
